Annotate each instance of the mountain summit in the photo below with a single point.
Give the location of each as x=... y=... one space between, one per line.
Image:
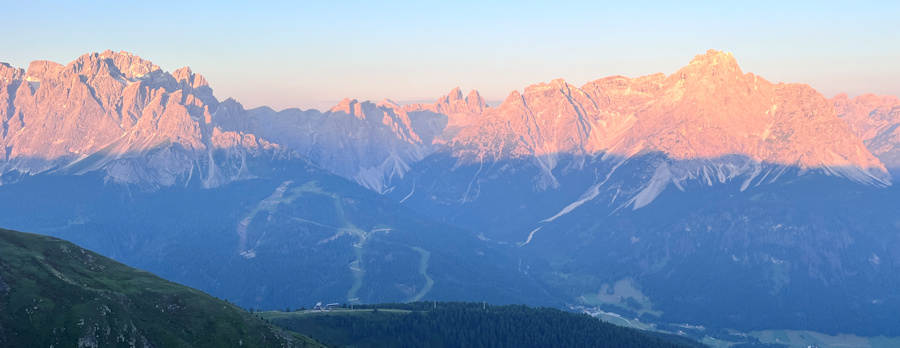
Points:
x=706 y=110
x=716 y=196
x=117 y=113
x=147 y=125
x=460 y=111
x=875 y=119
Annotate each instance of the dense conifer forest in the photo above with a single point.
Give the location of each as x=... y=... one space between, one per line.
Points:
x=460 y=324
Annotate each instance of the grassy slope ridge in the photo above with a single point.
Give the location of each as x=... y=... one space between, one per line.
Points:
x=460 y=324
x=54 y=293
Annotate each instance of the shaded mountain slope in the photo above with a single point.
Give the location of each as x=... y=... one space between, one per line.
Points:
x=788 y=255
x=54 y=293
x=778 y=249
x=288 y=240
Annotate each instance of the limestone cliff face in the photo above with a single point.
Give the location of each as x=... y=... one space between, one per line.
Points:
x=707 y=110
x=460 y=112
x=710 y=117
x=123 y=115
x=875 y=120
x=370 y=143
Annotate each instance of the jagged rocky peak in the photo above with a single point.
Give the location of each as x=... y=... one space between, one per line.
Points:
x=121 y=64
x=556 y=88
x=453 y=103
x=867 y=113
x=460 y=111
x=9 y=73
x=512 y=97
x=817 y=136
x=714 y=73
x=130 y=65
x=188 y=77
x=118 y=113
x=876 y=120
x=231 y=116
x=388 y=104
x=454 y=95
x=717 y=61
x=232 y=103
x=472 y=104
x=41 y=69
x=199 y=88
x=370 y=143
x=475 y=101
x=708 y=109
x=362 y=110
x=558 y=83
x=350 y=107
x=386 y=112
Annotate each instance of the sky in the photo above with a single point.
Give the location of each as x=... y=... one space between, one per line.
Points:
x=312 y=54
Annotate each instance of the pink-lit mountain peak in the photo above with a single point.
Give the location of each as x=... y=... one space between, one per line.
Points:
x=124 y=64
x=460 y=111
x=706 y=110
x=114 y=112
x=185 y=75
x=714 y=61
x=454 y=95
x=455 y=100
x=876 y=120
x=346 y=105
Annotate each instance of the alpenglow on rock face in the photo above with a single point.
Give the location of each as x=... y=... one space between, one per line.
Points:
x=715 y=121
x=366 y=142
x=460 y=112
x=625 y=141
x=723 y=198
x=123 y=115
x=373 y=144
x=706 y=110
x=875 y=120
x=706 y=188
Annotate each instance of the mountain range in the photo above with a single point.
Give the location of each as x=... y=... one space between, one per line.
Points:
x=115 y=112
x=709 y=196
x=124 y=116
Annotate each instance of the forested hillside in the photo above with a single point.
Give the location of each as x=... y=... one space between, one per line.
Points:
x=460 y=324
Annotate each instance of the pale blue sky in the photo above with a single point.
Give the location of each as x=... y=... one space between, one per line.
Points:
x=312 y=54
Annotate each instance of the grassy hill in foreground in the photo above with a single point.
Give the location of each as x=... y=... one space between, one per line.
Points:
x=456 y=324
x=54 y=293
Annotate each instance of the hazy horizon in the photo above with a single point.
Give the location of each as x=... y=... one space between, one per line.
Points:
x=310 y=55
